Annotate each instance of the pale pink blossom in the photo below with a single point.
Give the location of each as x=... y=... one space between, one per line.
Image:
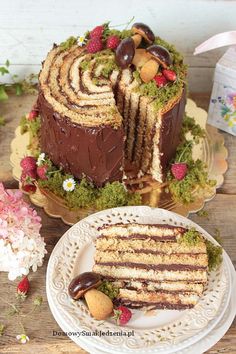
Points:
x=21 y=246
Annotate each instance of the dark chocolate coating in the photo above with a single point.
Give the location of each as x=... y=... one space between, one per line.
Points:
x=144 y=30
x=95 y=152
x=125 y=53
x=161 y=54
x=82 y=283
x=170 y=132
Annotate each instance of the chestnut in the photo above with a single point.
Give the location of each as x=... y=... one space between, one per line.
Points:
x=140 y=31
x=125 y=53
x=82 y=283
x=159 y=56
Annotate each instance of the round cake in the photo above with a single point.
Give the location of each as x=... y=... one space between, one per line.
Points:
x=111 y=99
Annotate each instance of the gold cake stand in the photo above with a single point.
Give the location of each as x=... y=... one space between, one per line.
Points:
x=210 y=150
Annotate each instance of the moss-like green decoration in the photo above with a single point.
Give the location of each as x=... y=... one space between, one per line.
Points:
x=109 y=289
x=191 y=237
x=197 y=175
x=214 y=255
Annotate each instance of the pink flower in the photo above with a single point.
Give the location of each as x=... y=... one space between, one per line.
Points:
x=22 y=247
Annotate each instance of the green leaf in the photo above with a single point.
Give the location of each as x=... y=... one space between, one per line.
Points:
x=18 y=88
x=3 y=70
x=2 y=121
x=3 y=94
x=2 y=329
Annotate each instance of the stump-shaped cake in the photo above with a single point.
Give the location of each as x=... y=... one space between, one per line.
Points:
x=97 y=112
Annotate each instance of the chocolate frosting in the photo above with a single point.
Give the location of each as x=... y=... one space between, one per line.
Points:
x=170 y=132
x=95 y=152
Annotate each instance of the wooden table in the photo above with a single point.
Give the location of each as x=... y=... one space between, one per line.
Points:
x=40 y=325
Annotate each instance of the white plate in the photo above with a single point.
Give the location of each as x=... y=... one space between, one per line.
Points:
x=166 y=332
x=199 y=347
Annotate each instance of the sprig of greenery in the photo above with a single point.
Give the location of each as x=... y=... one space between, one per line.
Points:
x=197 y=175
x=2 y=329
x=2 y=121
x=26 y=85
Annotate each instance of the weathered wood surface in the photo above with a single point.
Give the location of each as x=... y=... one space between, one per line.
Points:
x=28 y=28
x=40 y=325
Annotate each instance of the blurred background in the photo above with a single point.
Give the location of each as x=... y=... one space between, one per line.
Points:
x=28 y=28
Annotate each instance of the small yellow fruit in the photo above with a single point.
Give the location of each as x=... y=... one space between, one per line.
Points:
x=99 y=304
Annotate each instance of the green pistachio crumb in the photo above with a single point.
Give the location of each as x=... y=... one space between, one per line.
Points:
x=191 y=237
x=214 y=254
x=197 y=175
x=68 y=43
x=109 y=289
x=203 y=213
x=115 y=194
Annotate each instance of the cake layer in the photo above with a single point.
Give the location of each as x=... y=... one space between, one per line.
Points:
x=154 y=306
x=135 y=273
x=171 y=286
x=148 y=245
x=149 y=297
x=127 y=230
x=157 y=261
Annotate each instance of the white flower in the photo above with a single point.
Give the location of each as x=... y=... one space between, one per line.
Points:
x=23 y=338
x=69 y=185
x=81 y=41
x=41 y=158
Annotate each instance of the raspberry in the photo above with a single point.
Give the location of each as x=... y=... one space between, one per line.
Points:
x=112 y=42
x=33 y=114
x=160 y=80
x=23 y=288
x=42 y=172
x=97 y=32
x=28 y=163
x=122 y=315
x=27 y=180
x=28 y=176
x=179 y=170
x=28 y=188
x=94 y=45
x=170 y=75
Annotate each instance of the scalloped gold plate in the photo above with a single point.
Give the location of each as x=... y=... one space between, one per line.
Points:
x=210 y=150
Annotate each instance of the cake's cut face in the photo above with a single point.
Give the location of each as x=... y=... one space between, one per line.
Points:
x=154 y=266
x=96 y=114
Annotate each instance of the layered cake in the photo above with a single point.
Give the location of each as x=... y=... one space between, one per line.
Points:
x=154 y=266
x=112 y=99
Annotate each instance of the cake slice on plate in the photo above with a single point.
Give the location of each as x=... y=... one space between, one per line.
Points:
x=154 y=266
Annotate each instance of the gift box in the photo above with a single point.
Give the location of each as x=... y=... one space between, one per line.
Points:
x=222 y=109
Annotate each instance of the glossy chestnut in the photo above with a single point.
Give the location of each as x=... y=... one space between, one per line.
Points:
x=125 y=53
x=82 y=283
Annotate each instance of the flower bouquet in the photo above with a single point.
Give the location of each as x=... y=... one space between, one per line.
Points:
x=21 y=246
